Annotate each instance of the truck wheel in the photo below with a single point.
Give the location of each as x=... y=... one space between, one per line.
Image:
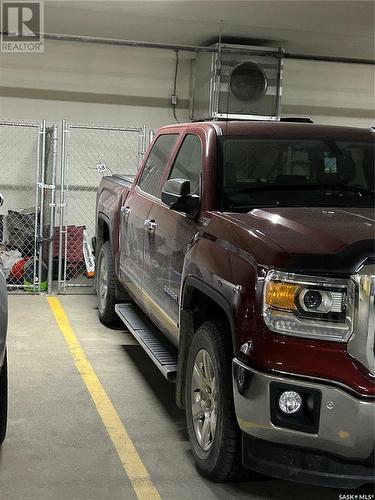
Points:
x=213 y=431
x=106 y=286
x=3 y=400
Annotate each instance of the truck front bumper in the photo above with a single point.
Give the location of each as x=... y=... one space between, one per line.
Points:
x=330 y=441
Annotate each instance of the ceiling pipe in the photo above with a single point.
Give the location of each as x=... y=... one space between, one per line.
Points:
x=347 y=60
x=197 y=48
x=157 y=45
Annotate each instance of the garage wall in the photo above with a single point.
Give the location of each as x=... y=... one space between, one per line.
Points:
x=131 y=86
x=330 y=93
x=85 y=83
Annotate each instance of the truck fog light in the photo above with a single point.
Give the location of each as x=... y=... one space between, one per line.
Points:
x=290 y=402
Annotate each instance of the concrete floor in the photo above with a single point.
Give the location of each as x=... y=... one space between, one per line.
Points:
x=57 y=446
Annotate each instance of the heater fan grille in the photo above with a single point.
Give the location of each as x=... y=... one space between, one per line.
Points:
x=248 y=82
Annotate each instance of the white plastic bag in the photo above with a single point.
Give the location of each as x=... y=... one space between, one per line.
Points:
x=7 y=260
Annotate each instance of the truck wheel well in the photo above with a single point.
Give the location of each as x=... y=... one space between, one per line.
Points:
x=204 y=308
x=103 y=231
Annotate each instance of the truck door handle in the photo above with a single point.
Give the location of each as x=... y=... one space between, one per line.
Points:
x=150 y=225
x=125 y=210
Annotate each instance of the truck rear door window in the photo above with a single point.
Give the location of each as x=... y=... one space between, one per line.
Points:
x=156 y=163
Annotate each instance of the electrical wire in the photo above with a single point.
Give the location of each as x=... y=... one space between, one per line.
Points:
x=175 y=87
x=174 y=114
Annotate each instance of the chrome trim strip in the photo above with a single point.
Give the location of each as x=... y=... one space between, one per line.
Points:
x=156 y=306
x=151 y=197
x=218 y=129
x=307 y=378
x=361 y=345
x=357 y=215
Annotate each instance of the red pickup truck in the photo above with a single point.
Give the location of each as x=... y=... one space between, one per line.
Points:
x=241 y=257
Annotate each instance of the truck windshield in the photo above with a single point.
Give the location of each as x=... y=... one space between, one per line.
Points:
x=295 y=172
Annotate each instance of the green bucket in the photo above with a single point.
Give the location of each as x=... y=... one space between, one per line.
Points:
x=28 y=284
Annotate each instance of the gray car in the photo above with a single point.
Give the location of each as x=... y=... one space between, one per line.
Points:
x=3 y=354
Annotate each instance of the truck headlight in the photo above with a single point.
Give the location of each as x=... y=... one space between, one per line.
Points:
x=308 y=306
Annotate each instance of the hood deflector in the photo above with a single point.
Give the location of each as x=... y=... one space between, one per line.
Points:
x=348 y=261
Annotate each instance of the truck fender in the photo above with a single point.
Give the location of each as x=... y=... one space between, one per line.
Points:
x=187 y=327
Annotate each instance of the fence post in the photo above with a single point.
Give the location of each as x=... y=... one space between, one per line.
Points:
x=52 y=209
x=142 y=143
x=38 y=235
x=36 y=204
x=41 y=186
x=62 y=206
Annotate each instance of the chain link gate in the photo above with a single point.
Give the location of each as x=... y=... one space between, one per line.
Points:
x=23 y=172
x=88 y=152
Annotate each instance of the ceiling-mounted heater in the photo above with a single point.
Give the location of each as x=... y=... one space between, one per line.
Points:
x=237 y=82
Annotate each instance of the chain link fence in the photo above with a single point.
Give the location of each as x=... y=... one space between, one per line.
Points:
x=88 y=153
x=47 y=219
x=22 y=173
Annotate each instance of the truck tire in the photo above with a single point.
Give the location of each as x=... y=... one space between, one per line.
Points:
x=3 y=400
x=212 y=426
x=106 y=286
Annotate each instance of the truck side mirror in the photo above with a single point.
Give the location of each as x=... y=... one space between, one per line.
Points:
x=176 y=195
x=1 y=200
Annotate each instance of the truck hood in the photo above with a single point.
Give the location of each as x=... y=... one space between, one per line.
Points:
x=336 y=239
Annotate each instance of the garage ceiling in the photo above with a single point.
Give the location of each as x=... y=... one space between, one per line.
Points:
x=329 y=28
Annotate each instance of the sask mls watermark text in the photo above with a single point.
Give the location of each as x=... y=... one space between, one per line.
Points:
x=22 y=26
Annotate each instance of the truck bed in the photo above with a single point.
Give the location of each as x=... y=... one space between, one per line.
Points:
x=123 y=177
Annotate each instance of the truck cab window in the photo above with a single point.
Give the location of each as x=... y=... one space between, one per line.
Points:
x=296 y=172
x=156 y=163
x=188 y=164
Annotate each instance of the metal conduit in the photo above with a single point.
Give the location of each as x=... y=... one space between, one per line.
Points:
x=198 y=48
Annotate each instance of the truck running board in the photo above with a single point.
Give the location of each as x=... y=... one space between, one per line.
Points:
x=160 y=350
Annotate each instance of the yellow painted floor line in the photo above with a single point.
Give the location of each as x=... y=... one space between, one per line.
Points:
x=131 y=461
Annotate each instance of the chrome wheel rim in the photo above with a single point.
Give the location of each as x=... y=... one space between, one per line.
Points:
x=204 y=400
x=103 y=283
